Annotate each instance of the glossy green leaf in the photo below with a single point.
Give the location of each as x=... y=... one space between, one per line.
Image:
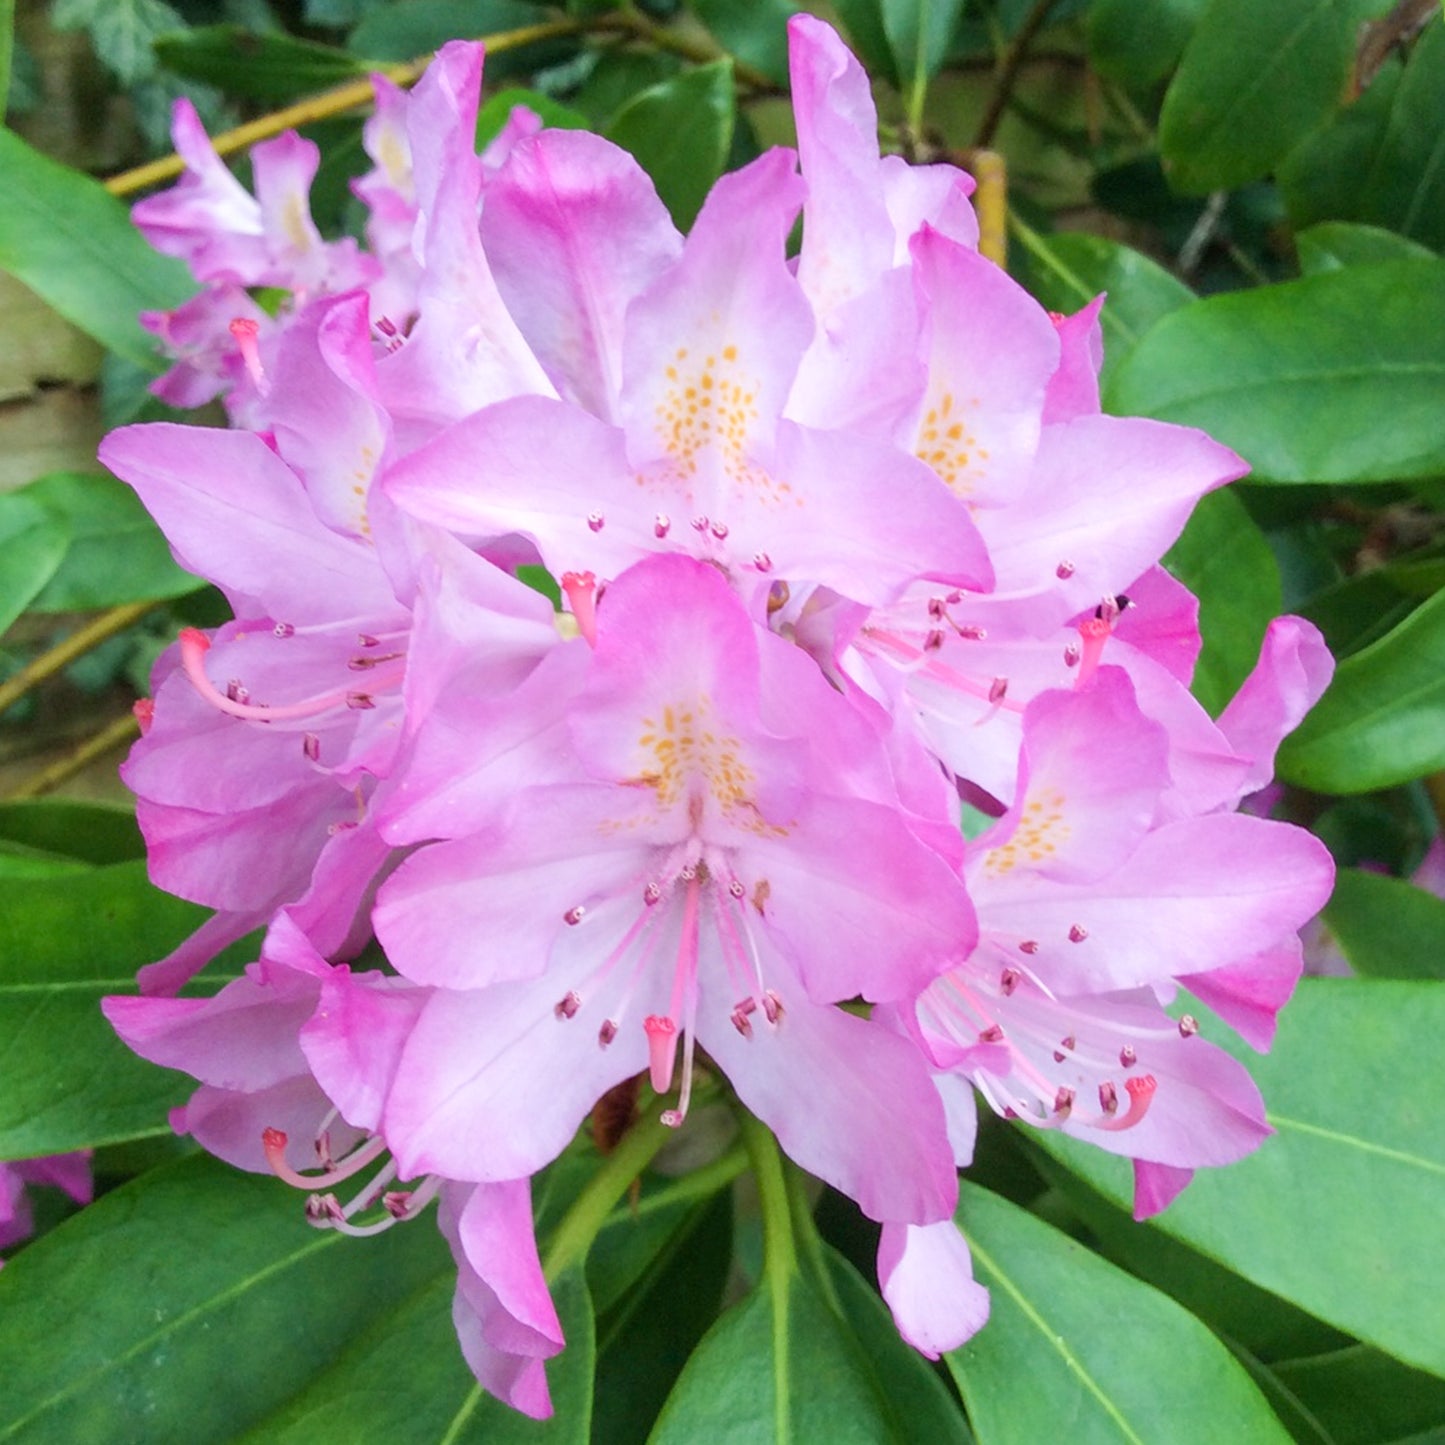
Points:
x=1253 y=81
x=645 y=1340
x=1379 y=722
x=1383 y=158
x=680 y=133
x=7 y=50
x=274 y=68
x=1386 y=927
x=497 y=109
x=33 y=540
x=1074 y=1344
x=1223 y=558
x=1339 y=1212
x=69 y=1081
x=754 y=32
x=1333 y=245
x=116 y=554
x=1138 y=50
x=919 y=33
x=410 y=28
x=72 y=243
x=188 y=1304
x=796 y=1369
x=404 y=1379
x=67 y=828
x=1068 y=269
x=1359 y=1396
x=1334 y=378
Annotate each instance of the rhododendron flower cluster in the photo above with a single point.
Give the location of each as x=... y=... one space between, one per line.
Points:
x=851 y=564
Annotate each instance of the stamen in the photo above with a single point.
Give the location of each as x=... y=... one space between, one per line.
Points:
x=283 y=629
x=1063 y=1100
x=606 y=1033
x=1008 y=980
x=566 y=1007
x=273 y=1142
x=651 y=894
x=1071 y=654
x=1077 y=933
x=1066 y=1046
x=1108 y=1097
x=1141 y=1094
x=740 y=1019
x=1029 y=946
x=596 y=521
x=719 y=530
x=144 y=712
x=1064 y=571
x=661 y=525
x=762 y=562
x=997 y=688
x=1188 y=1026
x=699 y=523
x=574 y=915
x=772 y=1006
x=311 y=746
x=1127 y=1057
x=1095 y=632
x=581 y=590
x=993 y=1034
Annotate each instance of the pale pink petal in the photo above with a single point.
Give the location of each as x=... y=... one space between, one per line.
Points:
x=926 y=1275
x=1157 y=1186
x=1074 y=388
x=1249 y=995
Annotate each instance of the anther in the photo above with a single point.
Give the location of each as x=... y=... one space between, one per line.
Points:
x=566 y=1007
x=740 y=1014
x=360 y=701
x=688 y=872
x=1071 y=654
x=1066 y=1046
x=1063 y=1100
x=574 y=915
x=936 y=608
x=1008 y=981
x=772 y=1006
x=1064 y=571
x=596 y=521
x=144 y=712
x=661 y=1050
x=1029 y=946
x=997 y=688
x=323 y=1209
x=237 y=691
x=1077 y=933
x=311 y=746
x=934 y=640
x=699 y=524
x=661 y=525
x=736 y=889
x=1141 y=1094
x=1127 y=1057
x=365 y=639
x=719 y=530
x=283 y=629
x=993 y=1034
x=651 y=894
x=606 y=1033
x=1188 y=1026
x=762 y=562
x=396 y=1202
x=972 y=632
x=1108 y=1098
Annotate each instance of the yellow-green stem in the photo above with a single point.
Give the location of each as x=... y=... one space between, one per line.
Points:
x=76 y=645
x=113 y=735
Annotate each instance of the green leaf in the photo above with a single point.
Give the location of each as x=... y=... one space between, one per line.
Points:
x=405 y=1379
x=273 y=68
x=1223 y=558
x=1068 y=269
x=122 y=31
x=67 y=828
x=7 y=52
x=1334 y=378
x=69 y=1081
x=752 y=31
x=116 y=554
x=1383 y=158
x=72 y=243
x=1379 y=722
x=1057 y=1306
x=645 y=1340
x=1361 y=1397
x=1333 y=245
x=1387 y=928
x=411 y=28
x=680 y=133
x=33 y=541
x=497 y=109
x=1358 y=1143
x=1138 y=52
x=919 y=33
x=195 y=1299
x=797 y=1368
x=1254 y=80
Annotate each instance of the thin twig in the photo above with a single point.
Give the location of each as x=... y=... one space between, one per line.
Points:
x=334 y=102
x=1008 y=72
x=113 y=735
x=107 y=625
x=990 y=201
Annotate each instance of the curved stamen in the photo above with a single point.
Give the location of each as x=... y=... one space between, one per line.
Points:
x=273 y=1141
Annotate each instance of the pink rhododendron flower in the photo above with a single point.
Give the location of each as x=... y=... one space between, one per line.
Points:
x=69 y=1172
x=845 y=539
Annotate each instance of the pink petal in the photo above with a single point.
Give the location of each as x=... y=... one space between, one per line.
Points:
x=926 y=1275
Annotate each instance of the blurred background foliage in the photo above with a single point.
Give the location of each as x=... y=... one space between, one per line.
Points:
x=1260 y=188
